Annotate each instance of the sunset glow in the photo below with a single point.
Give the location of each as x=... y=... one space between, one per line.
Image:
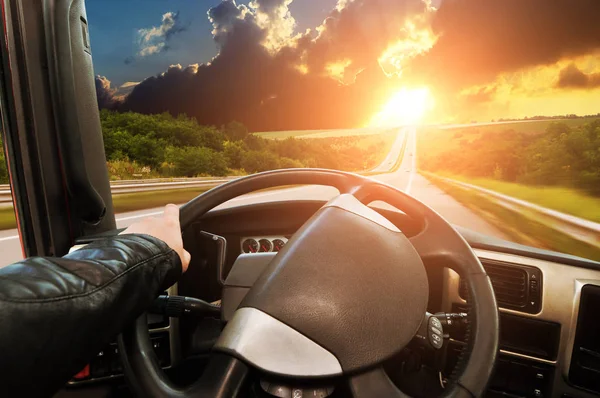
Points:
x=407 y=106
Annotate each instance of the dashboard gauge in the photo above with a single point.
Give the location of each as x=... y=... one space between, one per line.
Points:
x=278 y=244
x=250 y=246
x=264 y=245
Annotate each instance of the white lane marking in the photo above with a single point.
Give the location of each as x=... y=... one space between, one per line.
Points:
x=413 y=168
x=9 y=238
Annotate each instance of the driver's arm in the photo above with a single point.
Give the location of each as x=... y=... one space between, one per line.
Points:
x=57 y=313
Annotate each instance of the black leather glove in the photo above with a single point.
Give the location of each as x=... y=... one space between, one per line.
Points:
x=57 y=313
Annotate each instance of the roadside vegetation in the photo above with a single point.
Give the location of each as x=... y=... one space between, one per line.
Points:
x=557 y=168
x=167 y=146
x=530 y=126
x=560 y=156
x=151 y=146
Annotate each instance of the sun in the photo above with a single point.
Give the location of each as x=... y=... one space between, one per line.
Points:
x=406 y=106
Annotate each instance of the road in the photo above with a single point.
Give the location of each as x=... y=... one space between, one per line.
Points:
x=405 y=177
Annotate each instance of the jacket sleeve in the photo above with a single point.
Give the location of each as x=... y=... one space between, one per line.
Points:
x=58 y=313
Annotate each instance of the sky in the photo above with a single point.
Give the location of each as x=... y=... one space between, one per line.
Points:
x=295 y=64
x=114 y=26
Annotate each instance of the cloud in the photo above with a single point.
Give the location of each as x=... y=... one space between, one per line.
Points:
x=480 y=39
x=106 y=95
x=572 y=77
x=479 y=95
x=156 y=39
x=367 y=31
x=109 y=97
x=268 y=76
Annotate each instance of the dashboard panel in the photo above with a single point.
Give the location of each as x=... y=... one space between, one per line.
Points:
x=559 y=309
x=539 y=297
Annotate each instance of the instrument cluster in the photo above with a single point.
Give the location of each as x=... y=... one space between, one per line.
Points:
x=262 y=244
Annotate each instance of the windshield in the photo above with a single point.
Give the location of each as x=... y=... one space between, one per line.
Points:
x=485 y=110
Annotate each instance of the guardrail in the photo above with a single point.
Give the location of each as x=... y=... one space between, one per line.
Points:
x=577 y=228
x=132 y=186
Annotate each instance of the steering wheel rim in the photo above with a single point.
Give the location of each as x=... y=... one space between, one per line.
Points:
x=141 y=364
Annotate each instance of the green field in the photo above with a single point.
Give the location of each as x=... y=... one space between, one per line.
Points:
x=325 y=133
x=565 y=200
x=534 y=126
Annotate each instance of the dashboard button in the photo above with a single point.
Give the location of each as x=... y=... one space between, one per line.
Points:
x=435 y=322
x=280 y=391
x=436 y=331
x=100 y=367
x=435 y=340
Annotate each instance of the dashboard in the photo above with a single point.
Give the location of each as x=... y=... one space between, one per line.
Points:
x=548 y=302
x=548 y=345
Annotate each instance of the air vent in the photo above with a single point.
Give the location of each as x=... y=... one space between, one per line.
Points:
x=516 y=287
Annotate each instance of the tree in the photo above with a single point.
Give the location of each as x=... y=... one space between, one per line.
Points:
x=194 y=161
x=234 y=153
x=257 y=161
x=235 y=131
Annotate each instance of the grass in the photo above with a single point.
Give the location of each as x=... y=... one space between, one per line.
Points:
x=565 y=200
x=534 y=127
x=7 y=218
x=148 y=200
x=325 y=133
x=516 y=225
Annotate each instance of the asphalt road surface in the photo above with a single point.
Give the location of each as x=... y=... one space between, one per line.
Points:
x=405 y=178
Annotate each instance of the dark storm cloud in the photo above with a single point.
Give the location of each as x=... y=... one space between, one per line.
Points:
x=480 y=39
x=572 y=77
x=265 y=90
x=107 y=98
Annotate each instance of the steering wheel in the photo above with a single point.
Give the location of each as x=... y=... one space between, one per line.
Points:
x=347 y=292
